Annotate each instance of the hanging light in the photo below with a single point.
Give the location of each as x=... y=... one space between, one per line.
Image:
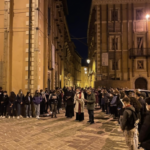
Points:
x=85 y=69
x=147 y=16
x=86 y=72
x=88 y=61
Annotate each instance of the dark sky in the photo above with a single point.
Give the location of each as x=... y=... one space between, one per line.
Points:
x=78 y=23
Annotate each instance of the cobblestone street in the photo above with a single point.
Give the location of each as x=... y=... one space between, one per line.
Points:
x=61 y=134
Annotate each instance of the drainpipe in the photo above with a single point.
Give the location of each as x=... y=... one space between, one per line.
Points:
x=29 y=46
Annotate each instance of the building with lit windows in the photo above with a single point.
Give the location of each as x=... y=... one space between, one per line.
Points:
x=118 y=43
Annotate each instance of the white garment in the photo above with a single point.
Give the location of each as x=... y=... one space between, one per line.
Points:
x=77 y=101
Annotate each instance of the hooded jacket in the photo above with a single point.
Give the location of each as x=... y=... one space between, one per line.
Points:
x=127 y=116
x=37 y=100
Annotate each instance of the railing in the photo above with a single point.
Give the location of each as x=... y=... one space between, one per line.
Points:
x=139 y=52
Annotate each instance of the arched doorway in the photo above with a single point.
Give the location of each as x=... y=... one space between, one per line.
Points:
x=141 y=83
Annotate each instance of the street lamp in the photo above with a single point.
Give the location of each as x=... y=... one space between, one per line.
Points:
x=147 y=16
x=88 y=61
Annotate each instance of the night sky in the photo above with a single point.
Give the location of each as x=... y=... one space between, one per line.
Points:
x=78 y=23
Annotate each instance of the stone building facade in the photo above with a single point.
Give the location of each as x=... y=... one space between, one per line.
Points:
x=118 y=42
x=33 y=38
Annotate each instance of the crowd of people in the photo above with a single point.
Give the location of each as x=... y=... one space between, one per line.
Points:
x=131 y=111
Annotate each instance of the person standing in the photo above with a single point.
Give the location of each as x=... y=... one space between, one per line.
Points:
x=143 y=108
x=144 y=136
x=37 y=99
x=11 y=105
x=1 y=97
x=20 y=99
x=54 y=102
x=43 y=103
x=69 y=99
x=59 y=100
x=90 y=105
x=79 y=105
x=128 y=124
x=28 y=104
x=4 y=104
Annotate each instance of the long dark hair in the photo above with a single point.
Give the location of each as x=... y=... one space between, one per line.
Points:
x=12 y=96
x=136 y=104
x=28 y=93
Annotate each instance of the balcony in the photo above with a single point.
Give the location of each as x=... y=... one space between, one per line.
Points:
x=139 y=26
x=139 y=52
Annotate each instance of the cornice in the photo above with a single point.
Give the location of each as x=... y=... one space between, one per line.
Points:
x=119 y=1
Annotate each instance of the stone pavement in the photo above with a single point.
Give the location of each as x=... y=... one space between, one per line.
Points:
x=61 y=134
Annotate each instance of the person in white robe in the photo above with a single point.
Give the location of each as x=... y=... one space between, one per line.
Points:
x=79 y=105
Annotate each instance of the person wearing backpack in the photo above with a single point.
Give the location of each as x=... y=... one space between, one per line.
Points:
x=144 y=136
x=128 y=124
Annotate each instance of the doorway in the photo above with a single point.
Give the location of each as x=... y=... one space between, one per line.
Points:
x=141 y=83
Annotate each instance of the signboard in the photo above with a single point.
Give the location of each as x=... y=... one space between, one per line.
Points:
x=104 y=59
x=53 y=56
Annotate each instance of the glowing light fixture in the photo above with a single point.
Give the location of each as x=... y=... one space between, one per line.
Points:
x=147 y=16
x=85 y=69
x=88 y=61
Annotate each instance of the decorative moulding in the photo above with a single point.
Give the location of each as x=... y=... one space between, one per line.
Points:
x=119 y=1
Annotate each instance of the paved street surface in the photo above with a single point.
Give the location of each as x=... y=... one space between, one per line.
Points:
x=61 y=134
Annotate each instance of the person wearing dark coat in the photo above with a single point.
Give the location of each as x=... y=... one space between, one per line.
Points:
x=20 y=99
x=4 y=104
x=59 y=100
x=90 y=105
x=28 y=105
x=144 y=136
x=43 y=103
x=143 y=109
x=69 y=100
x=54 y=102
x=1 y=97
x=11 y=105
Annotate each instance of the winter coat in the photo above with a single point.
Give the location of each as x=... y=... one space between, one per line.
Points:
x=27 y=102
x=37 y=100
x=59 y=100
x=127 y=115
x=91 y=101
x=53 y=99
x=144 y=136
x=1 y=95
x=102 y=101
x=20 y=98
x=71 y=99
x=5 y=100
x=80 y=101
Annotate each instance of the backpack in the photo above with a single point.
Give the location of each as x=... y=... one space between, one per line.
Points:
x=133 y=120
